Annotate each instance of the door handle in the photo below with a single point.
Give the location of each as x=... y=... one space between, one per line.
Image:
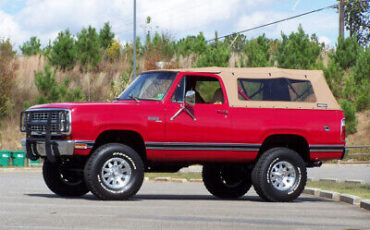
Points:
x=223 y=112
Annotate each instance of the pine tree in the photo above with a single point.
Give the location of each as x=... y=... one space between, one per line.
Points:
x=31 y=47
x=88 y=48
x=63 y=53
x=106 y=36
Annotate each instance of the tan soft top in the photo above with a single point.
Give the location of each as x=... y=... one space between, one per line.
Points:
x=230 y=76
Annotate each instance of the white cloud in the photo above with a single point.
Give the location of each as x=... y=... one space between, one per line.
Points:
x=192 y=16
x=259 y=3
x=259 y=18
x=9 y=28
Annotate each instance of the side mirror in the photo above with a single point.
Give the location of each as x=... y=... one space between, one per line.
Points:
x=190 y=98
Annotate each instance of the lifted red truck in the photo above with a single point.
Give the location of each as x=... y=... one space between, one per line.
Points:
x=246 y=126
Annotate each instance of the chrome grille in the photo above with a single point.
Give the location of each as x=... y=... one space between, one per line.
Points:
x=36 y=122
x=43 y=116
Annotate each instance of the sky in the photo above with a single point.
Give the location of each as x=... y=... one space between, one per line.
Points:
x=21 y=19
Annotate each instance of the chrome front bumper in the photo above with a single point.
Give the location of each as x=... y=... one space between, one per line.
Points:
x=64 y=147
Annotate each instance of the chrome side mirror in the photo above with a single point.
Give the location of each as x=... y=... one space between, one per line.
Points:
x=190 y=98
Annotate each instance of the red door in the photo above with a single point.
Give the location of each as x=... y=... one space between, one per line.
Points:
x=207 y=136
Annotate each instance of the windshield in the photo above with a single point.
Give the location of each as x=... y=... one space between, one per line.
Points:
x=149 y=86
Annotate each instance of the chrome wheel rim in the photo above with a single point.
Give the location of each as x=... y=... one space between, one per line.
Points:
x=116 y=173
x=282 y=175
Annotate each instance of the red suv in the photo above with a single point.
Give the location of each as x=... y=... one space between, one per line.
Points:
x=246 y=126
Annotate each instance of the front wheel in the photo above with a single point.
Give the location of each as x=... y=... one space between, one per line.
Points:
x=279 y=175
x=62 y=180
x=114 y=172
x=226 y=181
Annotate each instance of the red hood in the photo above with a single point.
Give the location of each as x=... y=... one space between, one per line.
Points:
x=72 y=105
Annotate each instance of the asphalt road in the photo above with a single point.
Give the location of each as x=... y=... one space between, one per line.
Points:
x=26 y=203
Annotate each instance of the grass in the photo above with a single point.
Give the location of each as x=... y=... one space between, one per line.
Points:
x=361 y=190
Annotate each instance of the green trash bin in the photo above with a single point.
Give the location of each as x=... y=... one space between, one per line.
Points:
x=18 y=158
x=5 y=157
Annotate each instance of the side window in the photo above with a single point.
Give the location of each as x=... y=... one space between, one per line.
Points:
x=207 y=90
x=178 y=95
x=277 y=89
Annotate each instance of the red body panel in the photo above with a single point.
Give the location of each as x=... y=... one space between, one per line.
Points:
x=249 y=126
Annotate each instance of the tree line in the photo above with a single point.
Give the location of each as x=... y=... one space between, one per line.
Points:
x=346 y=68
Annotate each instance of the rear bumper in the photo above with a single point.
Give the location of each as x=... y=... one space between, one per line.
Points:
x=326 y=152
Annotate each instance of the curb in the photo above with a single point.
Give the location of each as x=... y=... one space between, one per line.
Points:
x=354 y=181
x=335 y=196
x=350 y=199
x=162 y=179
x=365 y=204
x=179 y=180
x=334 y=180
x=329 y=180
x=330 y=195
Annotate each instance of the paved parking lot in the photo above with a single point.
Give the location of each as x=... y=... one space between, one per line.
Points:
x=26 y=203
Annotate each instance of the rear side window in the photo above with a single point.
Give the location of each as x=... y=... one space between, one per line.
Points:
x=276 y=89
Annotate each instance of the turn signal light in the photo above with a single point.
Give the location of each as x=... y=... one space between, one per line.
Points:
x=80 y=146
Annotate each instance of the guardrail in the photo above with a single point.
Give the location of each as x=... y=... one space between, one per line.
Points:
x=354 y=152
x=358 y=146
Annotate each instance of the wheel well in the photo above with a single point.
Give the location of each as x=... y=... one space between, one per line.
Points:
x=294 y=142
x=126 y=137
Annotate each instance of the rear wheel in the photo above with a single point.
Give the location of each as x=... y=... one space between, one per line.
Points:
x=114 y=172
x=226 y=181
x=63 y=180
x=279 y=175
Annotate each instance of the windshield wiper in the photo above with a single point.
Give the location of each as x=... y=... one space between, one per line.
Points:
x=135 y=98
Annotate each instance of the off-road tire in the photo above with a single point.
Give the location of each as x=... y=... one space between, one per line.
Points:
x=62 y=182
x=94 y=175
x=236 y=183
x=264 y=185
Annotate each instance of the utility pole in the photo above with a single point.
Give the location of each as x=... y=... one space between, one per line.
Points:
x=341 y=18
x=134 y=75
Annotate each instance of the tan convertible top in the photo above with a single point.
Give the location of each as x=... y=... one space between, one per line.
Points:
x=324 y=97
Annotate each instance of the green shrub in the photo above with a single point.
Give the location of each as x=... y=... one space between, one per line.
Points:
x=258 y=52
x=237 y=42
x=362 y=100
x=349 y=89
x=52 y=91
x=362 y=68
x=106 y=36
x=298 y=51
x=191 y=45
x=334 y=77
x=63 y=53
x=7 y=76
x=114 y=50
x=350 y=115
x=121 y=84
x=346 y=52
x=216 y=54
x=31 y=47
x=88 y=48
